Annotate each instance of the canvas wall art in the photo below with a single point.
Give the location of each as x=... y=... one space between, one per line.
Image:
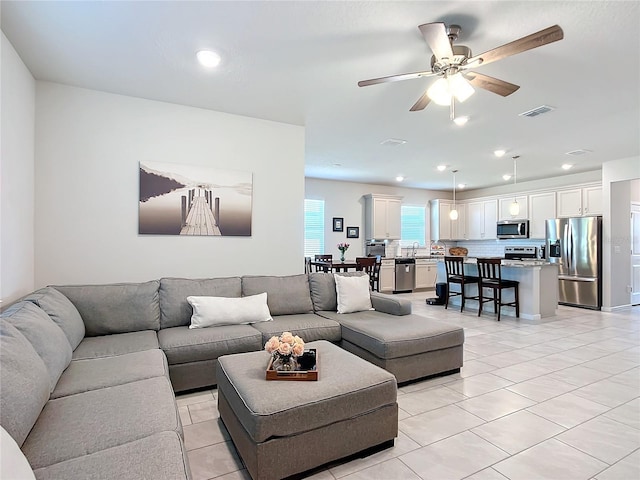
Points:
x=178 y=199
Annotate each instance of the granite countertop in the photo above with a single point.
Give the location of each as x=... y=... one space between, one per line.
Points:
x=510 y=263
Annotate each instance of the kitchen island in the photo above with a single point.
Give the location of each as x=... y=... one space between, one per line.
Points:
x=538 y=288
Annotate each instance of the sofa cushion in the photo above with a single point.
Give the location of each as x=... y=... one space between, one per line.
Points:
x=353 y=294
x=61 y=311
x=25 y=383
x=285 y=295
x=116 y=344
x=308 y=326
x=46 y=337
x=394 y=337
x=14 y=464
x=323 y=289
x=184 y=345
x=174 y=308
x=94 y=373
x=158 y=456
x=217 y=311
x=116 y=308
x=88 y=422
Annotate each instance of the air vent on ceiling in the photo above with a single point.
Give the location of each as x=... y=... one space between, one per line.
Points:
x=393 y=142
x=580 y=151
x=537 y=111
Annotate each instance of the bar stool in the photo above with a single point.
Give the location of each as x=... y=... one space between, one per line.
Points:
x=490 y=273
x=455 y=274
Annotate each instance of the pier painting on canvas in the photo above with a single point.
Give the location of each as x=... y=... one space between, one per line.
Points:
x=178 y=199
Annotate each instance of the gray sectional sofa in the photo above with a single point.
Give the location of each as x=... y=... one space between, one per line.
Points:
x=89 y=372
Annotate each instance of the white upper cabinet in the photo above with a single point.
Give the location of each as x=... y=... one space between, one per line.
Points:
x=481 y=220
x=382 y=217
x=442 y=227
x=504 y=206
x=580 y=201
x=542 y=206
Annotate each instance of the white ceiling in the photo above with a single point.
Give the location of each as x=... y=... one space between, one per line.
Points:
x=299 y=62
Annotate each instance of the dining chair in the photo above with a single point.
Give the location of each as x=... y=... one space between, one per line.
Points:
x=375 y=280
x=328 y=258
x=454 y=266
x=490 y=276
x=307 y=265
x=368 y=265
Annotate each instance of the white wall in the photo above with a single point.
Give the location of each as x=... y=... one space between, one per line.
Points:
x=542 y=184
x=17 y=100
x=345 y=200
x=617 y=177
x=88 y=145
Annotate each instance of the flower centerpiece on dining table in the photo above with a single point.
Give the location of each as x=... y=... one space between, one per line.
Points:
x=284 y=351
x=343 y=247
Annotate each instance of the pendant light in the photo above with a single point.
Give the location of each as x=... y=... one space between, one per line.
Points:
x=514 y=208
x=453 y=213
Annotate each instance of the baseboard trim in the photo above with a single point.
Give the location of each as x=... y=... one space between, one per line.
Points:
x=617 y=307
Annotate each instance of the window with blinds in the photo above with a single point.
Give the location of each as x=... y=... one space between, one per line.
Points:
x=313 y=227
x=412 y=225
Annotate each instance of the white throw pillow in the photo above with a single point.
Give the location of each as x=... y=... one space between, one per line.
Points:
x=14 y=464
x=353 y=293
x=216 y=311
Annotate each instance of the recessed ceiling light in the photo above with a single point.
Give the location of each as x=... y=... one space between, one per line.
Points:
x=441 y=168
x=462 y=185
x=499 y=153
x=460 y=121
x=506 y=177
x=566 y=166
x=399 y=178
x=208 y=59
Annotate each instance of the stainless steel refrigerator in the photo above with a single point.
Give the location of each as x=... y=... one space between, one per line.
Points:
x=575 y=245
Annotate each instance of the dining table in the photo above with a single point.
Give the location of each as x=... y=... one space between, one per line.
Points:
x=336 y=265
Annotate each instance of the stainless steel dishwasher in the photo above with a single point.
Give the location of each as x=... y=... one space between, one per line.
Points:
x=405 y=274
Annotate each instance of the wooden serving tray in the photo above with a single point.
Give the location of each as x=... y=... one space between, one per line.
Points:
x=298 y=375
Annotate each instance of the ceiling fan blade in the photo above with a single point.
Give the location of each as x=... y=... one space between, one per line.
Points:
x=494 y=85
x=538 y=39
x=394 y=78
x=422 y=102
x=435 y=34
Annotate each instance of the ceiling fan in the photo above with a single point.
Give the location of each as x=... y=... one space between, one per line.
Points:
x=450 y=62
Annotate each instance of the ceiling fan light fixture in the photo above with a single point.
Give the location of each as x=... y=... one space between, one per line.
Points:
x=460 y=87
x=439 y=92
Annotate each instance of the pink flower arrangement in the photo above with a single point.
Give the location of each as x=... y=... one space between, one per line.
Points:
x=343 y=247
x=285 y=345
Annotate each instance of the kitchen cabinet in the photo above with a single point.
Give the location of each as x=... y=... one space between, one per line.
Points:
x=426 y=271
x=442 y=227
x=580 y=201
x=505 y=205
x=382 y=217
x=542 y=206
x=387 y=282
x=481 y=220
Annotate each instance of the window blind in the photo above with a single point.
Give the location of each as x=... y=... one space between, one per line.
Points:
x=412 y=225
x=313 y=227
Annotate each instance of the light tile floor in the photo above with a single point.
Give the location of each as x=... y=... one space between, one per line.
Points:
x=557 y=398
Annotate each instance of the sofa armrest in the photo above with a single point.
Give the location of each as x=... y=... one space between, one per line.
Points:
x=388 y=304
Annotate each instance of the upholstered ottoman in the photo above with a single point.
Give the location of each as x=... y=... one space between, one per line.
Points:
x=281 y=428
x=409 y=346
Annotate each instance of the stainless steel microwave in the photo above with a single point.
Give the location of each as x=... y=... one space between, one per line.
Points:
x=513 y=229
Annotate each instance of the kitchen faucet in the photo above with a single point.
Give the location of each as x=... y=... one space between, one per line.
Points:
x=414 y=247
